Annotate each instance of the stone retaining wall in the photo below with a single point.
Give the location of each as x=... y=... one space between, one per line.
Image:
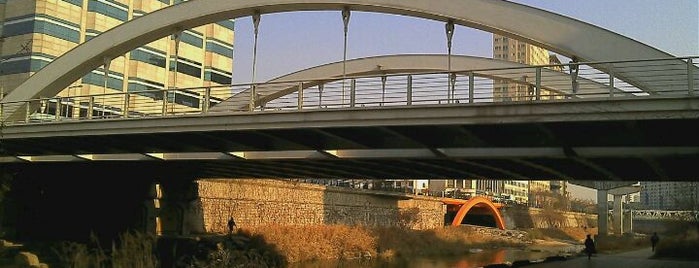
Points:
x=542 y=218
x=261 y=202
x=206 y=206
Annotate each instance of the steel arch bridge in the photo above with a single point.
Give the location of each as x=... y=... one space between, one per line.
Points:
x=564 y=35
x=402 y=137
x=476 y=205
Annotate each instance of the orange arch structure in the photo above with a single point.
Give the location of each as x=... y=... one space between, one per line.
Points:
x=481 y=205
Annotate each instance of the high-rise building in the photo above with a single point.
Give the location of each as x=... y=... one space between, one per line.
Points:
x=505 y=48
x=516 y=190
x=632 y=198
x=489 y=187
x=35 y=32
x=539 y=193
x=670 y=195
x=449 y=185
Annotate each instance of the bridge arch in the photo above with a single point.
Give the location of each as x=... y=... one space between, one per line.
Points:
x=404 y=63
x=558 y=33
x=480 y=202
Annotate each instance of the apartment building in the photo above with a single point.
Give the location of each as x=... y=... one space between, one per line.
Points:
x=669 y=195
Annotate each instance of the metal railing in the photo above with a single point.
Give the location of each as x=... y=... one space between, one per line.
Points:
x=568 y=82
x=683 y=215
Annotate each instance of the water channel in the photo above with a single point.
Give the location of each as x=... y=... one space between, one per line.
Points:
x=475 y=258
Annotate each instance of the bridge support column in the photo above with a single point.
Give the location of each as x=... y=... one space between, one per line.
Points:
x=180 y=211
x=602 y=213
x=628 y=222
x=151 y=210
x=617 y=215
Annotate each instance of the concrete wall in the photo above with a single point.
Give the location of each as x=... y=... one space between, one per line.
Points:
x=261 y=202
x=516 y=217
x=206 y=205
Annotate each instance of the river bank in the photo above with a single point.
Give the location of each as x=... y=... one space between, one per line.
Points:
x=291 y=246
x=538 y=251
x=358 y=246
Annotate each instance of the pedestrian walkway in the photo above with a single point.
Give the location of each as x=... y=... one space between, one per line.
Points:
x=636 y=259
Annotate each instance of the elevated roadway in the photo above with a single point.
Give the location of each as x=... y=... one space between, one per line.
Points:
x=624 y=139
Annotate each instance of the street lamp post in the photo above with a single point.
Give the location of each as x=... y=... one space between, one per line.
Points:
x=449 y=29
x=345 y=21
x=253 y=91
x=177 y=36
x=107 y=62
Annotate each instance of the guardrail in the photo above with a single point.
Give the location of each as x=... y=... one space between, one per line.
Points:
x=683 y=215
x=570 y=82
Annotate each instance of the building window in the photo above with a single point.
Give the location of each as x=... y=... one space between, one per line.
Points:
x=192 y=38
x=186 y=66
x=219 y=48
x=149 y=55
x=25 y=63
x=42 y=24
x=186 y=98
x=146 y=88
x=228 y=24
x=217 y=76
x=74 y=2
x=114 y=80
x=16 y=66
x=109 y=8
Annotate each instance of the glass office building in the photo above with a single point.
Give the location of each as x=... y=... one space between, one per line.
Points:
x=35 y=32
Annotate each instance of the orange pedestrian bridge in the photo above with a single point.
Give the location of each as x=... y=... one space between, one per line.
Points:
x=475 y=206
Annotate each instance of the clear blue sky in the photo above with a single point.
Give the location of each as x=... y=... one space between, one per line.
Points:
x=297 y=40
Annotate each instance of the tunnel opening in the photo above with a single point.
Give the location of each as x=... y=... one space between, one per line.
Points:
x=480 y=220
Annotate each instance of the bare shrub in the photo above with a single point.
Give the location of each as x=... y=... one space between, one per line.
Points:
x=134 y=249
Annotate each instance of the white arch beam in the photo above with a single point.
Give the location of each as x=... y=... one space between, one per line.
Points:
x=557 y=33
x=398 y=64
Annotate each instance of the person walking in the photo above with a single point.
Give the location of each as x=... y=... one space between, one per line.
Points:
x=231 y=225
x=589 y=246
x=654 y=240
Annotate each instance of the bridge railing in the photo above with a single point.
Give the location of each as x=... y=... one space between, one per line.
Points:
x=463 y=86
x=683 y=215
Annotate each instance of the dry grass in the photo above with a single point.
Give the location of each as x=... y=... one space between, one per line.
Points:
x=575 y=234
x=616 y=244
x=306 y=243
x=299 y=243
x=289 y=244
x=134 y=250
x=579 y=234
x=681 y=246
